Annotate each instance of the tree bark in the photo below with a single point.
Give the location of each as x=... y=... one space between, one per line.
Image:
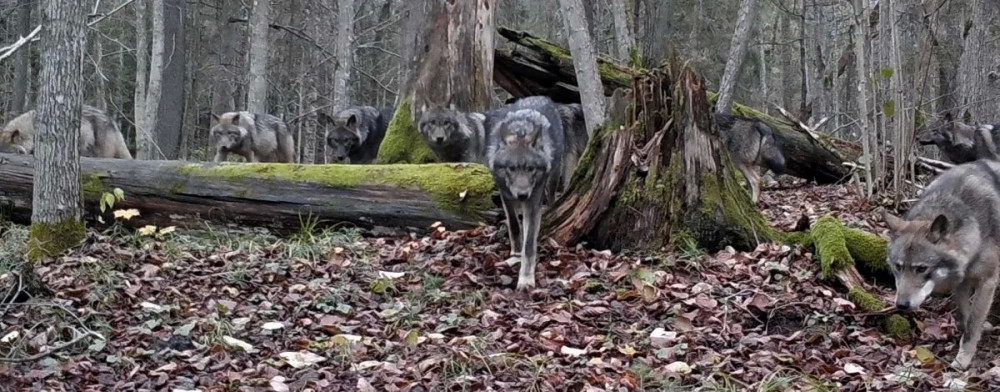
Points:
x=345 y=52
x=659 y=179
x=737 y=54
x=224 y=94
x=169 y=121
x=144 y=140
x=585 y=63
x=257 y=92
x=453 y=66
x=400 y=198
x=146 y=125
x=23 y=58
x=57 y=208
x=623 y=31
x=975 y=65
x=860 y=65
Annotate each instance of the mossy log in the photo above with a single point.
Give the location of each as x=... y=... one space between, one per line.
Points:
x=656 y=177
x=538 y=67
x=282 y=197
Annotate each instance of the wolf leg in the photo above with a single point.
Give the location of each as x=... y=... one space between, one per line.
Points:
x=220 y=155
x=251 y=157
x=532 y=221
x=963 y=296
x=513 y=230
x=977 y=317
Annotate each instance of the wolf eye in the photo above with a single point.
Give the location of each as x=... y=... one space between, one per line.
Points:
x=921 y=269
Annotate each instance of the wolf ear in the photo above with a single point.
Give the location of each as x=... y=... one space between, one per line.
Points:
x=506 y=135
x=216 y=117
x=15 y=136
x=236 y=119
x=947 y=116
x=352 y=120
x=534 y=136
x=939 y=229
x=894 y=223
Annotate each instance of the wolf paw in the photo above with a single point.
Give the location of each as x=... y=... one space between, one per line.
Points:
x=513 y=260
x=525 y=283
x=962 y=360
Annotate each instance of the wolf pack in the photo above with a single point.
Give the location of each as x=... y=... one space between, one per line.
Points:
x=947 y=243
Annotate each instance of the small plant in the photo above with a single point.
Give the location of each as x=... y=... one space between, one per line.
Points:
x=108 y=199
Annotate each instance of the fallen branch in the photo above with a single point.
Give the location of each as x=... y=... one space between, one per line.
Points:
x=53 y=350
x=6 y=51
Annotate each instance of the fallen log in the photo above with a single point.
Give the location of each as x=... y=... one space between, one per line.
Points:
x=282 y=197
x=538 y=67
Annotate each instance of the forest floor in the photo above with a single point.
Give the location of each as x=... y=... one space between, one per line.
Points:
x=235 y=310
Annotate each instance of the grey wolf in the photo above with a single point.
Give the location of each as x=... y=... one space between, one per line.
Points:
x=949 y=243
x=986 y=139
x=357 y=133
x=524 y=154
x=752 y=145
x=256 y=137
x=955 y=140
x=12 y=149
x=453 y=135
x=100 y=136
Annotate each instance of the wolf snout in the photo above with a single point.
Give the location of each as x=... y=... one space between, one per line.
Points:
x=522 y=196
x=439 y=139
x=904 y=305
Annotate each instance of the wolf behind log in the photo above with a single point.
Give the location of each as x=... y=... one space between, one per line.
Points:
x=752 y=145
x=100 y=136
x=356 y=133
x=256 y=137
x=524 y=154
x=576 y=137
x=453 y=135
x=949 y=243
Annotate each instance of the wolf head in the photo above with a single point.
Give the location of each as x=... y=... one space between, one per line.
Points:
x=228 y=133
x=16 y=136
x=438 y=126
x=946 y=132
x=924 y=255
x=520 y=162
x=345 y=135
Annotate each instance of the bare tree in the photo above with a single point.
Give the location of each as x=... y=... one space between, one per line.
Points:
x=975 y=64
x=23 y=59
x=56 y=206
x=585 y=62
x=259 y=23
x=170 y=108
x=223 y=92
x=143 y=137
x=345 y=51
x=147 y=119
x=623 y=32
x=860 y=36
x=737 y=54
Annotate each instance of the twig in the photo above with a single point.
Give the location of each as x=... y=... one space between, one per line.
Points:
x=107 y=15
x=9 y=50
x=54 y=350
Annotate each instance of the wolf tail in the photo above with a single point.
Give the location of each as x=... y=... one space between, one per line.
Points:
x=771 y=148
x=985 y=145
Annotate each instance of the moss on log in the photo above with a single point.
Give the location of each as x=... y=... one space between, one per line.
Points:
x=47 y=240
x=402 y=143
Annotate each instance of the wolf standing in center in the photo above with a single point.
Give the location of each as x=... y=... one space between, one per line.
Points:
x=949 y=243
x=524 y=152
x=256 y=137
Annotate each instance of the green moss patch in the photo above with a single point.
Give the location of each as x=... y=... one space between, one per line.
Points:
x=865 y=300
x=445 y=183
x=868 y=250
x=47 y=240
x=897 y=326
x=831 y=247
x=402 y=143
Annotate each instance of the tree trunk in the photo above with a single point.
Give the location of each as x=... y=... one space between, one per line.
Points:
x=223 y=94
x=144 y=141
x=345 y=52
x=259 y=23
x=146 y=125
x=860 y=65
x=401 y=198
x=737 y=54
x=57 y=208
x=585 y=63
x=659 y=179
x=454 y=65
x=975 y=66
x=23 y=58
x=623 y=31
x=169 y=121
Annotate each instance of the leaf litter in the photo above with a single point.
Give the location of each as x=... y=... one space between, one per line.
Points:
x=438 y=312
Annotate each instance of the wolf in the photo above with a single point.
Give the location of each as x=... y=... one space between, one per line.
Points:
x=576 y=138
x=524 y=154
x=100 y=136
x=454 y=135
x=752 y=145
x=254 y=136
x=12 y=149
x=949 y=243
x=986 y=139
x=357 y=133
x=955 y=140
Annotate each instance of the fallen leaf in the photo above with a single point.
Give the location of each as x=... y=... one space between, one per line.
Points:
x=246 y=347
x=573 y=352
x=126 y=214
x=390 y=275
x=853 y=368
x=300 y=359
x=273 y=325
x=278 y=384
x=679 y=367
x=10 y=336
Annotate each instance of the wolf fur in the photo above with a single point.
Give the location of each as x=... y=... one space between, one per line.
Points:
x=986 y=141
x=255 y=137
x=949 y=243
x=100 y=136
x=12 y=149
x=356 y=133
x=453 y=135
x=752 y=146
x=576 y=137
x=524 y=154
x=955 y=140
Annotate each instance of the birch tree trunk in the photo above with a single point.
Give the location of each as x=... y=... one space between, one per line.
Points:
x=975 y=65
x=737 y=54
x=860 y=65
x=143 y=136
x=56 y=223
x=169 y=121
x=454 y=64
x=257 y=92
x=623 y=32
x=345 y=52
x=585 y=62
x=23 y=57
x=146 y=124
